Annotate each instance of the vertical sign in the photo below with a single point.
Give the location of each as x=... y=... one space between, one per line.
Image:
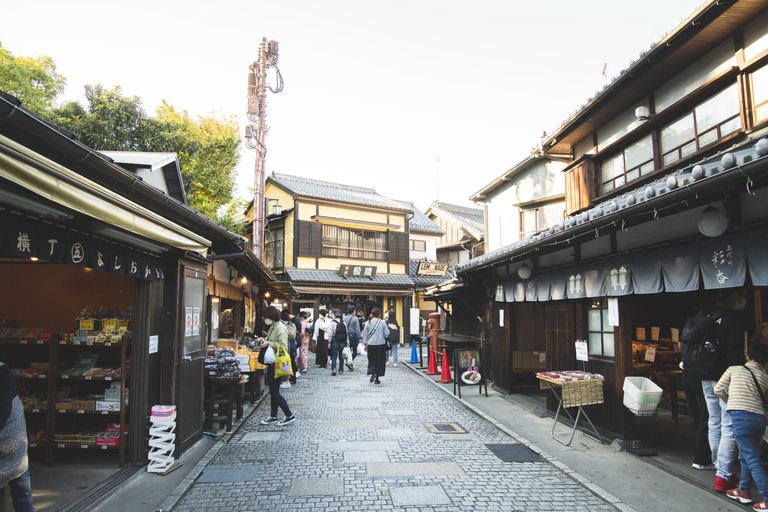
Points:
x=501 y=318
x=195 y=321
x=582 y=350
x=613 y=311
x=415 y=321
x=153 y=343
x=187 y=321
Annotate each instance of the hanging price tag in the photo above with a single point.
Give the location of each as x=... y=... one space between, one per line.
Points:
x=650 y=354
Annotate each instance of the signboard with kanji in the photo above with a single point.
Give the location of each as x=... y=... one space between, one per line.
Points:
x=357 y=271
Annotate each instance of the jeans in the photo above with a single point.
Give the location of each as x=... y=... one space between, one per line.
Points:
x=393 y=352
x=21 y=493
x=276 y=399
x=698 y=406
x=354 y=339
x=337 y=348
x=748 y=429
x=721 y=440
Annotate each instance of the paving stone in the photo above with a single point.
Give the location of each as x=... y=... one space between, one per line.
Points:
x=364 y=422
x=358 y=446
x=221 y=474
x=395 y=433
x=414 y=469
x=328 y=486
x=366 y=457
x=400 y=412
x=357 y=413
x=261 y=436
x=419 y=496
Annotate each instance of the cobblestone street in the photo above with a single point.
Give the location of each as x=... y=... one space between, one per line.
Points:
x=356 y=446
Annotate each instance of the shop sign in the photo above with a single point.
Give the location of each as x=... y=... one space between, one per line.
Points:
x=24 y=237
x=499 y=293
x=357 y=271
x=582 y=350
x=427 y=268
x=613 y=312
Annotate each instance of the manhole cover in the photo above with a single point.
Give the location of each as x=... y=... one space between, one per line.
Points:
x=445 y=428
x=514 y=453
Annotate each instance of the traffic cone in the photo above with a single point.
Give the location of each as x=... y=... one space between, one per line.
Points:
x=445 y=378
x=432 y=363
x=414 y=355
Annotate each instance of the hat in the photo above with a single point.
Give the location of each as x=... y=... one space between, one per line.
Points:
x=337 y=312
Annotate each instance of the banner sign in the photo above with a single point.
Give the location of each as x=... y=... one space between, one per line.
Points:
x=357 y=271
x=24 y=237
x=428 y=268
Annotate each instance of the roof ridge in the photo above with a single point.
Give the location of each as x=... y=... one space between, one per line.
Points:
x=331 y=184
x=457 y=207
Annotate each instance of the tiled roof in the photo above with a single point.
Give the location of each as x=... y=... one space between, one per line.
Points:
x=333 y=277
x=323 y=189
x=427 y=280
x=743 y=160
x=420 y=223
x=472 y=218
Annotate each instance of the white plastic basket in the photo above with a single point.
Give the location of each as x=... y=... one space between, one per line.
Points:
x=637 y=408
x=642 y=390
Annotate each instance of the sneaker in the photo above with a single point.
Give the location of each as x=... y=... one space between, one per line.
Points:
x=722 y=484
x=304 y=371
x=298 y=374
x=333 y=373
x=268 y=420
x=739 y=495
x=288 y=420
x=763 y=505
x=394 y=364
x=702 y=467
x=285 y=385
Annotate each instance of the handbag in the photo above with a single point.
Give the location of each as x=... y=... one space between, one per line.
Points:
x=282 y=363
x=312 y=346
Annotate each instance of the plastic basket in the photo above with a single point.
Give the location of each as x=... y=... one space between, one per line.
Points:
x=642 y=391
x=637 y=408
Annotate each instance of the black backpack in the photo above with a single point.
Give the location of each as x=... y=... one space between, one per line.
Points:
x=341 y=332
x=699 y=346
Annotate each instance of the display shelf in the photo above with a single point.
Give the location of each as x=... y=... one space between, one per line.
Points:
x=20 y=376
x=40 y=444
x=84 y=411
x=24 y=342
x=84 y=446
x=36 y=411
x=90 y=377
x=96 y=344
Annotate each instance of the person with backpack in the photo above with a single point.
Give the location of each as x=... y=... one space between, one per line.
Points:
x=353 y=332
x=287 y=320
x=743 y=388
x=394 y=336
x=338 y=336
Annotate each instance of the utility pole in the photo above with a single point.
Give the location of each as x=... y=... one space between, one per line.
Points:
x=256 y=131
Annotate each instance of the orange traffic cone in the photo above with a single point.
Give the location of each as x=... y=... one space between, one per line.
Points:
x=432 y=370
x=445 y=378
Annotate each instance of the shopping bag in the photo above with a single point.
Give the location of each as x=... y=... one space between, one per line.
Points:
x=282 y=363
x=360 y=349
x=269 y=355
x=348 y=356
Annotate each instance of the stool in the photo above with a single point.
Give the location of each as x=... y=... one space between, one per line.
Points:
x=220 y=404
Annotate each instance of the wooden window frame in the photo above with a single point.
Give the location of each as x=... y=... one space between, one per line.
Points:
x=337 y=246
x=414 y=242
x=603 y=311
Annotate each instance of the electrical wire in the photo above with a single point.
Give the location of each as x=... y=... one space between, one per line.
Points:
x=279 y=86
x=211 y=434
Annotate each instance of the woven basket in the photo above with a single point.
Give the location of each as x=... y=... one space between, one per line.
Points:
x=223 y=381
x=582 y=392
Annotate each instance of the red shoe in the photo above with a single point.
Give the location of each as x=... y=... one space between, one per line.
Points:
x=763 y=505
x=739 y=495
x=722 y=485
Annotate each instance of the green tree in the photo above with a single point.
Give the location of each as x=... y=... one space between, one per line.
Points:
x=207 y=147
x=33 y=80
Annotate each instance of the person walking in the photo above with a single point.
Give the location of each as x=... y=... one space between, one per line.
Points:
x=338 y=336
x=322 y=326
x=743 y=389
x=730 y=352
x=14 y=465
x=277 y=336
x=394 y=335
x=285 y=319
x=374 y=338
x=302 y=360
x=353 y=333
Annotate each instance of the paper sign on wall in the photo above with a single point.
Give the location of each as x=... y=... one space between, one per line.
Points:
x=655 y=333
x=650 y=354
x=195 y=321
x=640 y=333
x=582 y=350
x=501 y=318
x=153 y=344
x=675 y=334
x=187 y=321
x=613 y=311
x=415 y=321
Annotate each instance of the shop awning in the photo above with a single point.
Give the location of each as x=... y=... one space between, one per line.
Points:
x=314 y=289
x=65 y=187
x=715 y=263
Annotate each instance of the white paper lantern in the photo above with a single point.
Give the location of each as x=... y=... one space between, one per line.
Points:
x=712 y=222
x=524 y=272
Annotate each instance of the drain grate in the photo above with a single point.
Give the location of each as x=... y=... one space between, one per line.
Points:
x=514 y=453
x=445 y=428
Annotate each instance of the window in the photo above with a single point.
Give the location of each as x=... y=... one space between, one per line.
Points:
x=709 y=122
x=274 y=249
x=629 y=165
x=356 y=244
x=419 y=245
x=600 y=332
x=760 y=93
x=537 y=219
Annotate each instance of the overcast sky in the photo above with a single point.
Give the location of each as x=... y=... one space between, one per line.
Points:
x=396 y=95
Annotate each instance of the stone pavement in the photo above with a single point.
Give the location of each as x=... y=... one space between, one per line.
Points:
x=401 y=445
